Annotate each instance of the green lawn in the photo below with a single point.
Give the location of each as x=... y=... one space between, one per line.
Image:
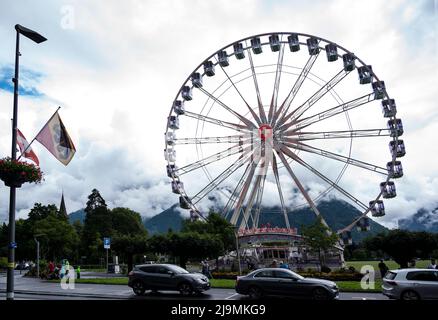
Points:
x=94 y=270
x=391 y=264
x=354 y=286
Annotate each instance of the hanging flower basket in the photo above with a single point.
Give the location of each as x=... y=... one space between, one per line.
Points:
x=14 y=173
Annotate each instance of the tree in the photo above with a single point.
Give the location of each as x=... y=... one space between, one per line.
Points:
x=403 y=245
x=186 y=245
x=97 y=224
x=39 y=212
x=95 y=201
x=129 y=245
x=318 y=238
x=58 y=237
x=215 y=224
x=129 y=234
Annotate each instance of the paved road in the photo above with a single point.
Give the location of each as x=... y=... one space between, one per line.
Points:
x=31 y=288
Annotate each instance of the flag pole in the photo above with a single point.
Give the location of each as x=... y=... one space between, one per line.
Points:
x=28 y=146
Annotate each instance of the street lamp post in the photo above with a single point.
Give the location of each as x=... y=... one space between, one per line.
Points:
x=38 y=257
x=236 y=234
x=238 y=254
x=36 y=37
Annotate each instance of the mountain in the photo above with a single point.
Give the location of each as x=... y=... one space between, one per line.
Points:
x=77 y=215
x=337 y=214
x=162 y=222
x=422 y=220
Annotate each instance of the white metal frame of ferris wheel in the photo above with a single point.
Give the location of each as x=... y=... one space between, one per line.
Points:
x=287 y=129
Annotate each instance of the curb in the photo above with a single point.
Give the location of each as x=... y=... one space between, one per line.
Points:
x=77 y=295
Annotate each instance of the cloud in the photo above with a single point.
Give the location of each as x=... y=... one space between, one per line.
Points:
x=116 y=73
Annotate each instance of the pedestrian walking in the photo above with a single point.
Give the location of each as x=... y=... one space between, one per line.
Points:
x=284 y=265
x=383 y=268
x=432 y=264
x=78 y=272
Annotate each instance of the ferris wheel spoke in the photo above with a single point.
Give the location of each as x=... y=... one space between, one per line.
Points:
x=293 y=92
x=298 y=112
x=256 y=86
x=365 y=133
x=247 y=122
x=259 y=201
x=305 y=122
x=244 y=223
x=221 y=123
x=243 y=193
x=235 y=194
x=273 y=105
x=262 y=174
x=323 y=177
x=254 y=115
x=210 y=140
x=213 y=158
x=280 y=193
x=219 y=179
x=337 y=157
x=300 y=186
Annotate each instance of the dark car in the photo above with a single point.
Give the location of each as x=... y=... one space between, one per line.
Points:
x=166 y=277
x=283 y=282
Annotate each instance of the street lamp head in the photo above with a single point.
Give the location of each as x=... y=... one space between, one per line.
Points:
x=28 y=33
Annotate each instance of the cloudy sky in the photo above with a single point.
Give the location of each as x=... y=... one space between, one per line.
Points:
x=115 y=67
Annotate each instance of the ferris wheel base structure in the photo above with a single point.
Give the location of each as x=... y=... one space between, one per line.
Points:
x=261 y=118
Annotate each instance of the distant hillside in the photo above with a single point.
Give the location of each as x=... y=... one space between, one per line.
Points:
x=337 y=214
x=77 y=215
x=423 y=220
x=162 y=222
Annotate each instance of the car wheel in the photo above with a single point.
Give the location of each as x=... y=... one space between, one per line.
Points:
x=138 y=288
x=255 y=292
x=185 y=289
x=410 y=295
x=320 y=294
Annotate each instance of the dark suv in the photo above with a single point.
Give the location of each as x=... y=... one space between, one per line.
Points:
x=166 y=277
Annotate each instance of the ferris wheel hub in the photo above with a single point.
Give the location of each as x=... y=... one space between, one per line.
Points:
x=265 y=132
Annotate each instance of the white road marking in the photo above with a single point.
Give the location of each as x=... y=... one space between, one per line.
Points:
x=235 y=294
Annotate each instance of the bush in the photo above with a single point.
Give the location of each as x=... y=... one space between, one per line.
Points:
x=325 y=269
x=3 y=262
x=334 y=276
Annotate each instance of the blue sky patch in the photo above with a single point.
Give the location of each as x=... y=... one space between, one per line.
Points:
x=28 y=81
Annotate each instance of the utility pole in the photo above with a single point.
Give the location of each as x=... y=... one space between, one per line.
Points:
x=36 y=37
x=38 y=256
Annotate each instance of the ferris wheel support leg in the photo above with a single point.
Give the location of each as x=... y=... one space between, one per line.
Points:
x=302 y=190
x=277 y=181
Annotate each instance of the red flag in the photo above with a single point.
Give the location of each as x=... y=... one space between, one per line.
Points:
x=24 y=147
x=55 y=138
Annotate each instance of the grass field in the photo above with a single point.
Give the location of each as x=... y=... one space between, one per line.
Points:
x=94 y=270
x=391 y=264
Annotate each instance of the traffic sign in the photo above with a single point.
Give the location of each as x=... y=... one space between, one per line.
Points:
x=106 y=243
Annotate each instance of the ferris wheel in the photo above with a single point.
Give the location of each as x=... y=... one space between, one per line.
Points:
x=282 y=121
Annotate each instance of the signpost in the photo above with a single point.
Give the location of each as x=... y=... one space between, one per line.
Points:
x=107 y=246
